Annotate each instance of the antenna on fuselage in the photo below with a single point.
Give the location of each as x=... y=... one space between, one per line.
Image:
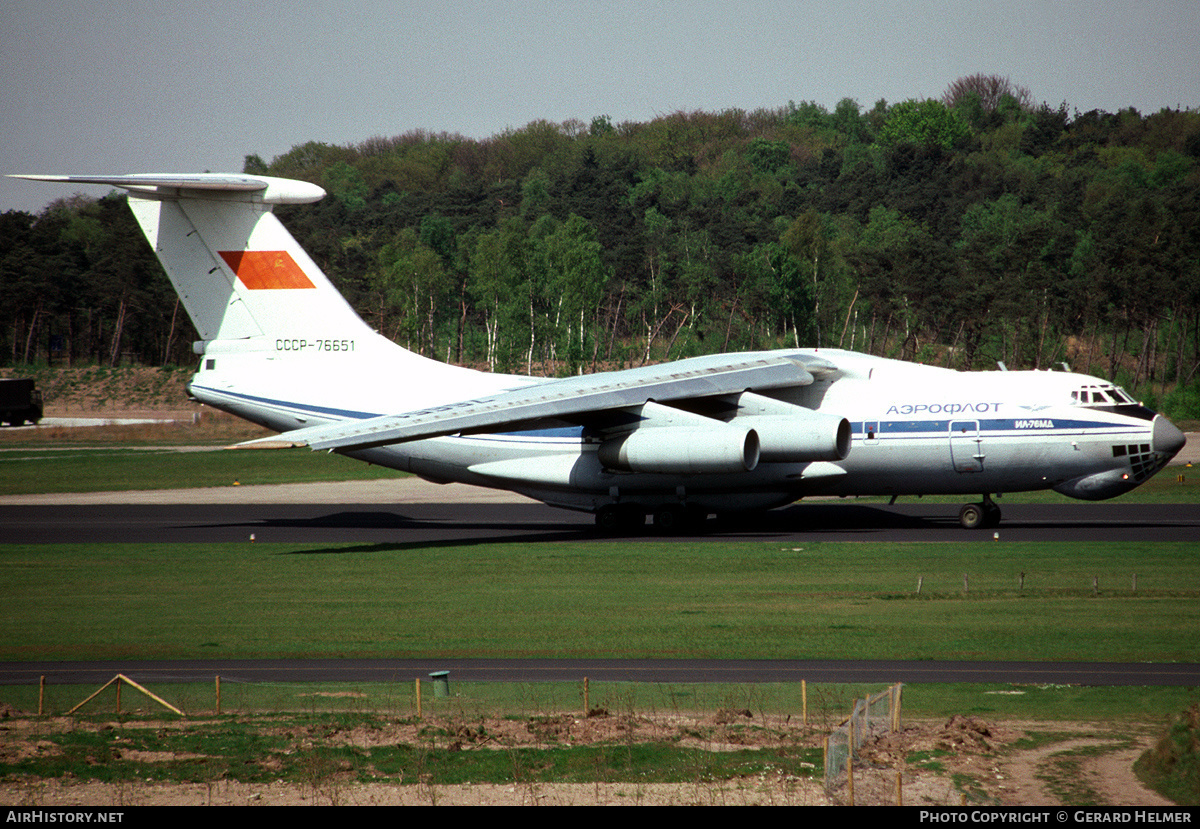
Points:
x=1002 y=366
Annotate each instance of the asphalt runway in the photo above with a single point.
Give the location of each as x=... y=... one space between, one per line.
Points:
x=484 y=521
x=663 y=671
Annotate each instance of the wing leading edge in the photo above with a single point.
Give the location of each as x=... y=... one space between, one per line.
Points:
x=569 y=398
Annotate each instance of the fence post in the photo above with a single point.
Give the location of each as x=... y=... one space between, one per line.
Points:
x=850 y=776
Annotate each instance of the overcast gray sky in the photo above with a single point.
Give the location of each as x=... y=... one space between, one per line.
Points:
x=181 y=87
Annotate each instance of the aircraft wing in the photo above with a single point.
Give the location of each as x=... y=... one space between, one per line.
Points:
x=567 y=399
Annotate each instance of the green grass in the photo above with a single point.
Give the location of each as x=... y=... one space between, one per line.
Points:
x=82 y=469
x=604 y=599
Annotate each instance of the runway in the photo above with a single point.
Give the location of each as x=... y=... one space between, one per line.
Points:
x=488 y=521
x=661 y=671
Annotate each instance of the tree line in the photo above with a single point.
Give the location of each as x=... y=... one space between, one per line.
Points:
x=959 y=231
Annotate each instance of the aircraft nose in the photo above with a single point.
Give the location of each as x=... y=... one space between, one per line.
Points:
x=1167 y=437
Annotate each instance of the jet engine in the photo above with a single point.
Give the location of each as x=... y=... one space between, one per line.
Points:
x=802 y=437
x=683 y=450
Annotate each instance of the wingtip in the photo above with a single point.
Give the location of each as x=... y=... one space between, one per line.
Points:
x=32 y=177
x=268 y=443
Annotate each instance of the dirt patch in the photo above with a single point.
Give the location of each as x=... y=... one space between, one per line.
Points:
x=1014 y=763
x=1096 y=769
x=962 y=760
x=24 y=736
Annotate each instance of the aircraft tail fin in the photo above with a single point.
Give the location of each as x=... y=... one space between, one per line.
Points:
x=238 y=271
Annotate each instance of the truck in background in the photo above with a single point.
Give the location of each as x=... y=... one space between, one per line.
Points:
x=20 y=402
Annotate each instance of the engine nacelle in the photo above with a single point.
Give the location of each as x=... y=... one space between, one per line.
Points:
x=683 y=450
x=800 y=438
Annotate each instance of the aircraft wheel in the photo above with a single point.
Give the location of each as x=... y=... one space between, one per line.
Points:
x=668 y=520
x=673 y=520
x=614 y=519
x=991 y=515
x=971 y=516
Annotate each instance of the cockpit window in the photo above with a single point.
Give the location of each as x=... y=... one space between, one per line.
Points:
x=1105 y=395
x=1108 y=397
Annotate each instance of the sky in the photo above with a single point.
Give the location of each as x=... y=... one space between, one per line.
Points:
x=129 y=86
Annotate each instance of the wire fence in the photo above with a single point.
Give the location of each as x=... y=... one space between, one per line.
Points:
x=877 y=714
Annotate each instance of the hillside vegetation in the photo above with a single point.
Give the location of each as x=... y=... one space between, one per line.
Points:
x=963 y=231
x=96 y=389
x=1172 y=767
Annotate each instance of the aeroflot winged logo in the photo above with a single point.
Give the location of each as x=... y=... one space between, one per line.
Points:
x=266 y=269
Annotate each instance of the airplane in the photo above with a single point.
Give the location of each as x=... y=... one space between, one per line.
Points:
x=723 y=433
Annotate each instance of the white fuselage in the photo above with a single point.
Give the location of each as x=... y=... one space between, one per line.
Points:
x=916 y=430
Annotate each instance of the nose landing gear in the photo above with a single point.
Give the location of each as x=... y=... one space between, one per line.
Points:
x=983 y=515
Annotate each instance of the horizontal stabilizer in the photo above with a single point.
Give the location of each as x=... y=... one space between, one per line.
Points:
x=270 y=189
x=572 y=397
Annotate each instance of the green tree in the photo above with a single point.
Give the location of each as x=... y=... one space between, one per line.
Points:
x=928 y=123
x=494 y=284
x=768 y=156
x=807 y=240
x=345 y=183
x=576 y=277
x=414 y=283
x=1014 y=249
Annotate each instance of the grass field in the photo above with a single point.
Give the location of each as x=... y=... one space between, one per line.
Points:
x=603 y=599
x=105 y=468
x=828 y=704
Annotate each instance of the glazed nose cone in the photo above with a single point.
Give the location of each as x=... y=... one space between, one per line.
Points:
x=1167 y=437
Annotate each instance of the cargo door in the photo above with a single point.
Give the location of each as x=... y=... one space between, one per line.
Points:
x=966 y=446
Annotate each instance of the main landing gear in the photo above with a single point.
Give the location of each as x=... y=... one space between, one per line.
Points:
x=618 y=519
x=980 y=516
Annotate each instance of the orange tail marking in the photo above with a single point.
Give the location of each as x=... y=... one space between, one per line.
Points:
x=266 y=269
